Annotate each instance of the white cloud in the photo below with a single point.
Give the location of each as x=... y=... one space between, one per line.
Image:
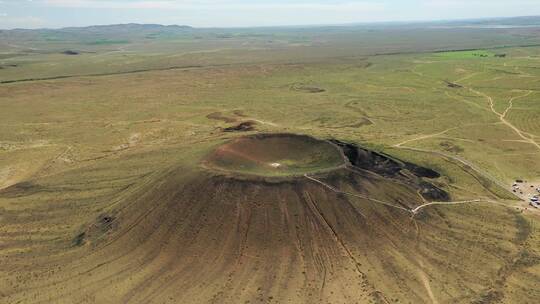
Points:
x=487 y=4
x=452 y=9
x=22 y=22
x=216 y=5
x=204 y=13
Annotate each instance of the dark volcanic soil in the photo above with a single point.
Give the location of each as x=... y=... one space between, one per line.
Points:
x=390 y=167
x=242 y=127
x=213 y=234
x=190 y=234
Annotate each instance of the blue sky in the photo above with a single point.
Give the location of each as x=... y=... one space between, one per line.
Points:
x=228 y=13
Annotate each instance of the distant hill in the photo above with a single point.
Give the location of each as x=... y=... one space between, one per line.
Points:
x=76 y=40
x=129 y=27
x=523 y=21
x=97 y=34
x=113 y=29
x=145 y=29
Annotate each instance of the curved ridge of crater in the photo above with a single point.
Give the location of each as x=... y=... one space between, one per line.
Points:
x=276 y=155
x=283 y=156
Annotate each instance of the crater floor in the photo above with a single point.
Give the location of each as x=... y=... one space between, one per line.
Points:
x=276 y=155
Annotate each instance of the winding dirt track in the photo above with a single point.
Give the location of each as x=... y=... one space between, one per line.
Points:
x=414 y=210
x=355 y=195
x=502 y=116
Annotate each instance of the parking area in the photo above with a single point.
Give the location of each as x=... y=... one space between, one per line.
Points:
x=527 y=191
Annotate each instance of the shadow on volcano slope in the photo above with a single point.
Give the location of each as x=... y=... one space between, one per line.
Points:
x=195 y=235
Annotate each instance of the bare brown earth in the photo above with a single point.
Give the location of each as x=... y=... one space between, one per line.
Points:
x=276 y=154
x=251 y=242
x=291 y=240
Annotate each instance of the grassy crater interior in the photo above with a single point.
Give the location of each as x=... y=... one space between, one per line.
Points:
x=276 y=155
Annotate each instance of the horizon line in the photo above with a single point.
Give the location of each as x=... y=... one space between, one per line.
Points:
x=417 y=21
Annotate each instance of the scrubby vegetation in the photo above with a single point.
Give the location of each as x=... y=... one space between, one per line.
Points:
x=105 y=196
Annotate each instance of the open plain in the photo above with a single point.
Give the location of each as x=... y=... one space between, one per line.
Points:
x=321 y=165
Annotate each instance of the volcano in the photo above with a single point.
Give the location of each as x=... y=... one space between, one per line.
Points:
x=281 y=218
x=275 y=217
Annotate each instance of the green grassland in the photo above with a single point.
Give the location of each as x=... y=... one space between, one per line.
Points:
x=131 y=110
x=40 y=54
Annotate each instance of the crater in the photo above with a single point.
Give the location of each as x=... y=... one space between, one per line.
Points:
x=276 y=155
x=285 y=155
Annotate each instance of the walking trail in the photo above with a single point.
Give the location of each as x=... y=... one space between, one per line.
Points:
x=502 y=116
x=412 y=211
